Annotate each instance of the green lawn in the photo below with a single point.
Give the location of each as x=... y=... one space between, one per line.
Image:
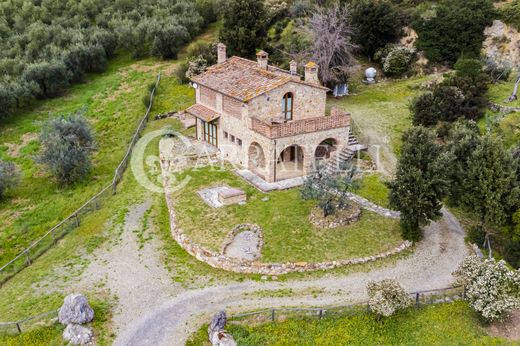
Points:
x=373 y=188
x=381 y=110
x=442 y=324
x=288 y=234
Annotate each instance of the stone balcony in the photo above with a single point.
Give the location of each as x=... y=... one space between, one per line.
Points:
x=273 y=130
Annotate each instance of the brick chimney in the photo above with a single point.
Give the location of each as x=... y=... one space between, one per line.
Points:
x=262 y=58
x=311 y=73
x=221 y=53
x=293 y=67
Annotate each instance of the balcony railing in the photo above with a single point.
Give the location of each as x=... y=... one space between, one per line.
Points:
x=298 y=127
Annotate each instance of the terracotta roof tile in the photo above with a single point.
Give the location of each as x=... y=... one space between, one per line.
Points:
x=244 y=80
x=204 y=113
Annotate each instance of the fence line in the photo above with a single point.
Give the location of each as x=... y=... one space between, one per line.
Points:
x=457 y=292
x=420 y=298
x=49 y=239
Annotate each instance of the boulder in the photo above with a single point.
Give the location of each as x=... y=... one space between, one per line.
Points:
x=222 y=338
x=75 y=309
x=218 y=323
x=76 y=334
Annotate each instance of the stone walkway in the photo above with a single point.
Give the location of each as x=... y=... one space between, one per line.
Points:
x=264 y=186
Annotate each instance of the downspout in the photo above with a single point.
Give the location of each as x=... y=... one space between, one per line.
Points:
x=275 y=159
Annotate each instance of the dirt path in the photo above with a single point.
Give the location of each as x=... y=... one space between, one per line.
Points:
x=131 y=270
x=429 y=267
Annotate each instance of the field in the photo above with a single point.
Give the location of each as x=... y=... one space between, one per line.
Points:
x=441 y=324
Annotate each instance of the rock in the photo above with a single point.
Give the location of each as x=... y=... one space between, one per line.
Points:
x=75 y=309
x=265 y=199
x=222 y=338
x=218 y=323
x=264 y=277
x=77 y=334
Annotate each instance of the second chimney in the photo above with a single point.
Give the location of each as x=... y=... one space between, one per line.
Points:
x=221 y=53
x=293 y=67
x=311 y=73
x=262 y=58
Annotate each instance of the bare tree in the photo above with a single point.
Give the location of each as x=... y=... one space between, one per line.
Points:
x=331 y=31
x=514 y=96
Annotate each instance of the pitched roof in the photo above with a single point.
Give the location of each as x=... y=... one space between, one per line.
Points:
x=201 y=112
x=244 y=80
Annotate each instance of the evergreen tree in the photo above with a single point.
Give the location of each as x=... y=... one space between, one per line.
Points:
x=457 y=28
x=419 y=184
x=489 y=183
x=243 y=26
x=377 y=22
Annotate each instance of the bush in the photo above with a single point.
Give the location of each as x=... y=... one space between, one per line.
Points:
x=9 y=177
x=397 y=60
x=510 y=13
x=196 y=66
x=67 y=143
x=206 y=50
x=492 y=289
x=180 y=72
x=497 y=71
x=387 y=297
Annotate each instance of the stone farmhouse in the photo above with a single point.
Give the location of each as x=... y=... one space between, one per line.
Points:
x=266 y=119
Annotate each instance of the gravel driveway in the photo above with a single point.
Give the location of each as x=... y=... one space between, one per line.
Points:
x=429 y=267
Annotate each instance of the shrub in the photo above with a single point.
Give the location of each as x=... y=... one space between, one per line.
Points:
x=497 y=71
x=387 y=297
x=9 y=177
x=398 y=60
x=207 y=50
x=180 y=72
x=510 y=13
x=146 y=100
x=196 y=66
x=67 y=143
x=492 y=289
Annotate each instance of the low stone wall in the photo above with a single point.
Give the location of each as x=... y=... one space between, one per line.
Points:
x=220 y=261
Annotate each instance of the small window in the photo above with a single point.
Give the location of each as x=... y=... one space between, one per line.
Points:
x=239 y=141
x=225 y=135
x=232 y=138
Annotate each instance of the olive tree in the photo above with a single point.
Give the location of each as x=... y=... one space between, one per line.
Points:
x=67 y=144
x=9 y=177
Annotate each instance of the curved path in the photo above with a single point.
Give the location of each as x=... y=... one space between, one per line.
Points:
x=429 y=267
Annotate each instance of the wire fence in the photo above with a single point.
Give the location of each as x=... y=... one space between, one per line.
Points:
x=50 y=238
x=419 y=298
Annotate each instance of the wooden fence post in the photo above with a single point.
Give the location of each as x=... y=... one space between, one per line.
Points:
x=321 y=314
x=18 y=328
x=28 y=257
x=417 y=295
x=272 y=315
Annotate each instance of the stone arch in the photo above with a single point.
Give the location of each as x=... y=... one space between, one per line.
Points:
x=290 y=162
x=256 y=157
x=325 y=148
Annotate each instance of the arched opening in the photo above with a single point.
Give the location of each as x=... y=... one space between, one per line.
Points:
x=290 y=163
x=287 y=106
x=325 y=149
x=256 y=159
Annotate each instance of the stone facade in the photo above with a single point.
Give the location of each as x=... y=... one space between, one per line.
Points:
x=251 y=129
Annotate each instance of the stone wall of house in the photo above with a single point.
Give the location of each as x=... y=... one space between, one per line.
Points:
x=208 y=97
x=308 y=102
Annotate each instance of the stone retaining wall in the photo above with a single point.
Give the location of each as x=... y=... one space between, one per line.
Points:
x=220 y=261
